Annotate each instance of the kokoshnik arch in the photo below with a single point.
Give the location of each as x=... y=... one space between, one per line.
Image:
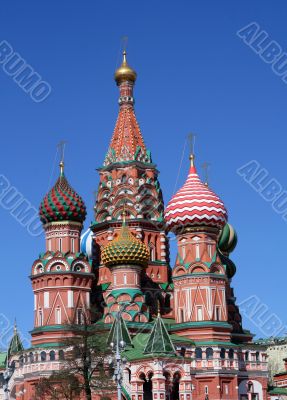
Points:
x=187 y=339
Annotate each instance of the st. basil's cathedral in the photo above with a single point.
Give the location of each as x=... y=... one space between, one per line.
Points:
x=185 y=330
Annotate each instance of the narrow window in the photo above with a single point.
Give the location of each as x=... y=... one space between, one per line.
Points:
x=49 y=244
x=115 y=279
x=79 y=316
x=125 y=279
x=73 y=245
x=209 y=353
x=197 y=253
x=60 y=244
x=206 y=389
x=198 y=353
x=40 y=318
x=183 y=252
x=210 y=250
x=199 y=314
x=217 y=313
x=58 y=316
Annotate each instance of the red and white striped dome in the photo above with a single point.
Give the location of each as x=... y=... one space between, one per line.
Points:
x=195 y=205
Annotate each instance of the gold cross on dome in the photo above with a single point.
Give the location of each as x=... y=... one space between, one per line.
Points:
x=61 y=148
x=191 y=138
x=205 y=167
x=125 y=42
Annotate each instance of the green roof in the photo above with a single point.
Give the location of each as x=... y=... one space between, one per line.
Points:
x=15 y=345
x=119 y=328
x=3 y=357
x=159 y=340
x=277 y=390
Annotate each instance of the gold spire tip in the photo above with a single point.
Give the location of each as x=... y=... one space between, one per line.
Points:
x=62 y=167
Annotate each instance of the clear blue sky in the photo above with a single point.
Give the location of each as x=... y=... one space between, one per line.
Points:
x=194 y=74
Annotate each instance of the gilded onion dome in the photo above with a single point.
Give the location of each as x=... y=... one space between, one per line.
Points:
x=125 y=72
x=62 y=203
x=125 y=249
x=194 y=205
x=228 y=239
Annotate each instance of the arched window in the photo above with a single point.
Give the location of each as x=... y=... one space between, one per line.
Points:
x=222 y=353
x=31 y=357
x=257 y=356
x=52 y=355
x=43 y=356
x=61 y=355
x=21 y=361
x=152 y=251
x=247 y=356
x=198 y=353
x=209 y=353
x=231 y=354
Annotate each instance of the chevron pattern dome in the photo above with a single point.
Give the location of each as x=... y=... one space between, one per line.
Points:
x=125 y=249
x=195 y=204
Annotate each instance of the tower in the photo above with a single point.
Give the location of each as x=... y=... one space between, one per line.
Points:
x=62 y=276
x=129 y=179
x=205 y=307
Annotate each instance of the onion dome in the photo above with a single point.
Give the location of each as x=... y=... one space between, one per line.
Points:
x=228 y=239
x=125 y=72
x=125 y=249
x=62 y=203
x=87 y=242
x=195 y=204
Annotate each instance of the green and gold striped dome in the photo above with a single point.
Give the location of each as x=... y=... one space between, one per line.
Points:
x=228 y=239
x=125 y=249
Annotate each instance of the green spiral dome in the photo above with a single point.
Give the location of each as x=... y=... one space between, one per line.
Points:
x=228 y=239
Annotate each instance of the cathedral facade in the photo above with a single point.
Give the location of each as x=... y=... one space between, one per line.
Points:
x=186 y=336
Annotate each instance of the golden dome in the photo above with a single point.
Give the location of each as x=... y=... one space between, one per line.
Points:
x=125 y=72
x=125 y=249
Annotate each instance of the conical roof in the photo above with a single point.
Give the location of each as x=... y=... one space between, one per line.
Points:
x=15 y=345
x=159 y=340
x=122 y=332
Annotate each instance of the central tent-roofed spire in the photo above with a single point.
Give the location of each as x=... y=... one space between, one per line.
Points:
x=127 y=143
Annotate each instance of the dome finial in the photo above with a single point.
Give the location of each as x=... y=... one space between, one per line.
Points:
x=61 y=147
x=62 y=167
x=125 y=72
x=191 y=139
x=205 y=167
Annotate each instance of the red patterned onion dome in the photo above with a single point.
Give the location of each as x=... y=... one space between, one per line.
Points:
x=62 y=203
x=195 y=204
